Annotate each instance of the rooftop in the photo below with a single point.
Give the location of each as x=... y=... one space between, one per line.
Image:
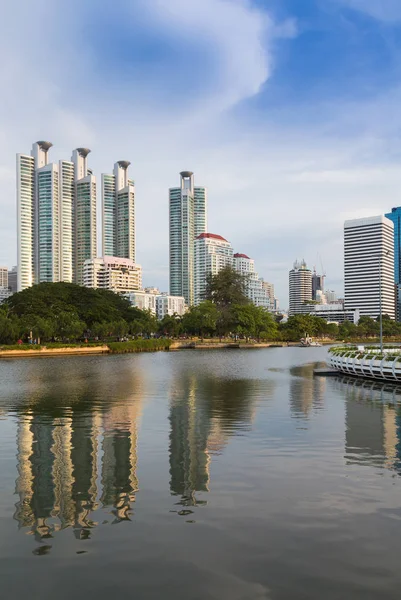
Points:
x=213 y=236
x=238 y=255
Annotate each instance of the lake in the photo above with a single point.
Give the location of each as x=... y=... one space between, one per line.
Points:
x=225 y=474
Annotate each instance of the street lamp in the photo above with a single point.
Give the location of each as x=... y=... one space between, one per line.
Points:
x=380 y=299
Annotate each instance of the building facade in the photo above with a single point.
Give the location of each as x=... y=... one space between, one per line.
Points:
x=56 y=216
x=369 y=266
x=169 y=305
x=333 y=313
x=13 y=279
x=300 y=283
x=255 y=289
x=119 y=275
x=395 y=217
x=4 y=277
x=212 y=253
x=118 y=212
x=159 y=304
x=187 y=220
x=317 y=286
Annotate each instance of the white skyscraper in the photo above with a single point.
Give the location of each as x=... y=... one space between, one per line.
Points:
x=300 y=279
x=118 y=212
x=188 y=219
x=369 y=262
x=56 y=206
x=212 y=253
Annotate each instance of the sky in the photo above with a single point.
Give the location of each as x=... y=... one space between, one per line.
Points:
x=288 y=111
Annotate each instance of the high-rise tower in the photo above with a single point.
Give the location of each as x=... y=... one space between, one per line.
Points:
x=56 y=206
x=188 y=219
x=300 y=279
x=369 y=266
x=118 y=212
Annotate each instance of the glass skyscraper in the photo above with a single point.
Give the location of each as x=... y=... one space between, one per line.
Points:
x=188 y=219
x=395 y=217
x=118 y=213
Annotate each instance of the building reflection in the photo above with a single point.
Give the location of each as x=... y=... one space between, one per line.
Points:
x=306 y=391
x=71 y=463
x=373 y=422
x=205 y=412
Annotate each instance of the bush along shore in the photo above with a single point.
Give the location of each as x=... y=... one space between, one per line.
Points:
x=139 y=346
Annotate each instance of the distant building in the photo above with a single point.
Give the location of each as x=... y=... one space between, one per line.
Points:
x=4 y=277
x=212 y=253
x=317 y=285
x=142 y=300
x=333 y=313
x=13 y=280
x=369 y=261
x=188 y=219
x=118 y=212
x=4 y=294
x=170 y=305
x=269 y=288
x=255 y=290
x=300 y=283
x=160 y=304
x=112 y=273
x=331 y=296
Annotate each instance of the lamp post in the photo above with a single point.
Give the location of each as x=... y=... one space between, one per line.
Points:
x=380 y=299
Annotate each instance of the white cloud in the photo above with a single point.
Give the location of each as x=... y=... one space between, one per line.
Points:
x=384 y=10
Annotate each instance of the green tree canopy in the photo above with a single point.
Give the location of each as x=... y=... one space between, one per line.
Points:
x=226 y=288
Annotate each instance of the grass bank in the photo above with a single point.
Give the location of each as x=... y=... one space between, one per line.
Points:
x=139 y=346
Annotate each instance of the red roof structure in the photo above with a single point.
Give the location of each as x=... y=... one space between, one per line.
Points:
x=213 y=236
x=241 y=256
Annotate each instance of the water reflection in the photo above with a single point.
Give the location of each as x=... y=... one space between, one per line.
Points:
x=306 y=391
x=372 y=422
x=204 y=413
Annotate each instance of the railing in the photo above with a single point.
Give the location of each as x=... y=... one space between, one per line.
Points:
x=370 y=363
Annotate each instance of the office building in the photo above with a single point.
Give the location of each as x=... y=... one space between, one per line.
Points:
x=333 y=313
x=212 y=253
x=4 y=277
x=255 y=289
x=56 y=222
x=118 y=212
x=317 y=286
x=13 y=279
x=188 y=219
x=269 y=287
x=112 y=273
x=369 y=266
x=300 y=280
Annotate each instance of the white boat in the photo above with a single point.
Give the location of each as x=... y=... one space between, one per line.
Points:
x=307 y=342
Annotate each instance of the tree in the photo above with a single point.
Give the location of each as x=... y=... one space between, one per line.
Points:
x=226 y=288
x=8 y=329
x=201 y=320
x=170 y=325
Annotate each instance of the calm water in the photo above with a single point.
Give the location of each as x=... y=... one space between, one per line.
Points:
x=197 y=475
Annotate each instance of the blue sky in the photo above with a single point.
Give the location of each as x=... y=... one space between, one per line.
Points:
x=287 y=110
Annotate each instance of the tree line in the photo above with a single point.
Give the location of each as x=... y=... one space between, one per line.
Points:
x=66 y=312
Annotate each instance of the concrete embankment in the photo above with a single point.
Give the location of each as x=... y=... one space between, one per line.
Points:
x=42 y=352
